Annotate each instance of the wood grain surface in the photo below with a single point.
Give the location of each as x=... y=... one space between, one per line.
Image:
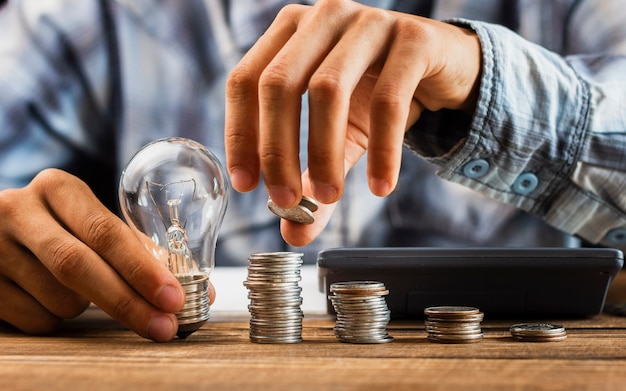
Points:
x=93 y=352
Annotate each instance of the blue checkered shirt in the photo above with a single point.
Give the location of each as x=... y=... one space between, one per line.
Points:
x=541 y=162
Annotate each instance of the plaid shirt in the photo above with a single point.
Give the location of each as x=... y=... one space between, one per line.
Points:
x=542 y=162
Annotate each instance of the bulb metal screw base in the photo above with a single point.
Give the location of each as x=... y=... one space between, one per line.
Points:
x=196 y=310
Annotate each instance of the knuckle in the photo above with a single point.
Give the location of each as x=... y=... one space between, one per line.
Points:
x=384 y=150
x=71 y=306
x=101 y=230
x=388 y=97
x=54 y=182
x=328 y=8
x=273 y=155
x=408 y=30
x=241 y=82
x=276 y=82
x=66 y=259
x=327 y=84
x=322 y=156
x=11 y=203
x=373 y=16
x=137 y=271
x=50 y=178
x=240 y=140
x=289 y=13
x=122 y=308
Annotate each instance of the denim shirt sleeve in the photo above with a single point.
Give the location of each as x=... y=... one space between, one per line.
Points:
x=548 y=134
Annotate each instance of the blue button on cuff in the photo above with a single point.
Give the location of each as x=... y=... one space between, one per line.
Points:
x=617 y=236
x=476 y=168
x=525 y=183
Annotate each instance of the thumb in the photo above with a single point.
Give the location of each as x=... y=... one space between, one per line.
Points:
x=302 y=234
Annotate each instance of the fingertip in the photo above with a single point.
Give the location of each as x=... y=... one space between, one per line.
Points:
x=282 y=196
x=324 y=192
x=212 y=293
x=170 y=299
x=242 y=180
x=380 y=187
x=298 y=235
x=162 y=328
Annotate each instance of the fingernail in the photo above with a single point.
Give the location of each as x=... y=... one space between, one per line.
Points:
x=324 y=192
x=380 y=187
x=162 y=328
x=241 y=179
x=170 y=299
x=282 y=196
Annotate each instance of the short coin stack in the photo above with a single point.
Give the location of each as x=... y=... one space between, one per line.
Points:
x=362 y=312
x=453 y=324
x=275 y=297
x=538 y=332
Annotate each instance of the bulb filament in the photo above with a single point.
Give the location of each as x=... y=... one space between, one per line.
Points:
x=179 y=255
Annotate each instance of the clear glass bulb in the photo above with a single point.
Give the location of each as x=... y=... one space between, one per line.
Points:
x=173 y=193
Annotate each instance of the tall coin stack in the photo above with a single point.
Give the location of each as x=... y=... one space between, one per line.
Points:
x=362 y=312
x=275 y=297
x=453 y=324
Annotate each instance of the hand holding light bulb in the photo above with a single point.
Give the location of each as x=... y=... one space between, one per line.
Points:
x=61 y=248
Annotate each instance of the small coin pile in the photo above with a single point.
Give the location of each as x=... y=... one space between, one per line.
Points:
x=453 y=324
x=301 y=213
x=538 y=332
x=275 y=297
x=362 y=312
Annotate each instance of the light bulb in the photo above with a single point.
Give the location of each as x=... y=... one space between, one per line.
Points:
x=173 y=193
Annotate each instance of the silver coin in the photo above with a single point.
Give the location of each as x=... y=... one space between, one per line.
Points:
x=362 y=334
x=277 y=340
x=276 y=254
x=447 y=310
x=386 y=339
x=465 y=319
x=301 y=213
x=555 y=338
x=455 y=339
x=377 y=315
x=436 y=331
x=356 y=300
x=356 y=286
x=536 y=329
x=274 y=331
x=360 y=308
x=309 y=203
x=452 y=328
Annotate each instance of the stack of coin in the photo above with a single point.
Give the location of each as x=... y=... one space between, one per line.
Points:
x=301 y=213
x=275 y=297
x=453 y=324
x=538 y=332
x=362 y=312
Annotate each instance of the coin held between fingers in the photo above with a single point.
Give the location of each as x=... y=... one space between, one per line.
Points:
x=301 y=213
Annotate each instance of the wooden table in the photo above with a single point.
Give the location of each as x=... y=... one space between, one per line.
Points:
x=93 y=352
